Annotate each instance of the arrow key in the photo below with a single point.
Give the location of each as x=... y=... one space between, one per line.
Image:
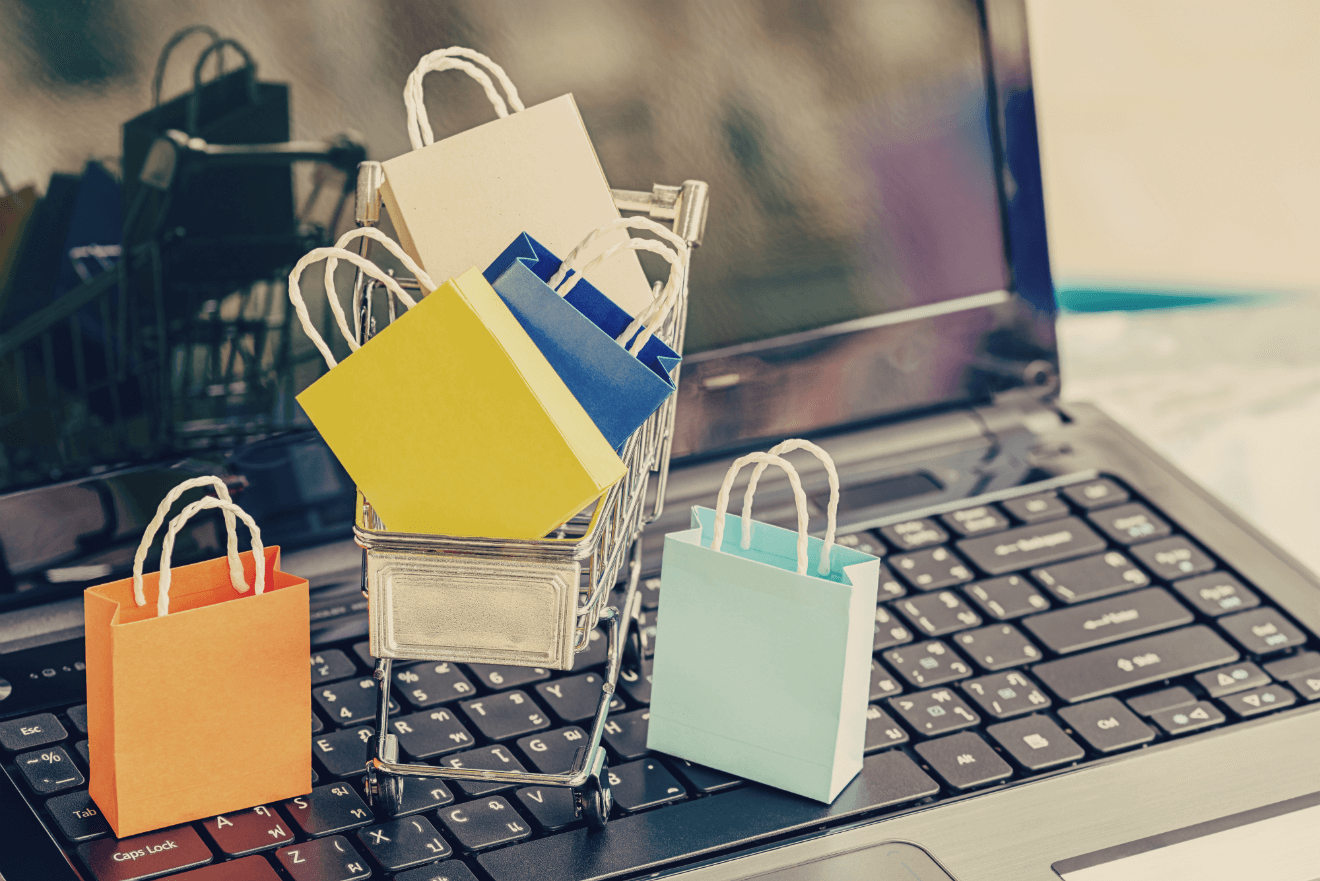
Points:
x=1308 y=687
x=644 y=784
x=1227 y=680
x=1260 y=700
x=1183 y=720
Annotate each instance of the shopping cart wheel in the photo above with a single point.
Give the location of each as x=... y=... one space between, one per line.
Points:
x=385 y=790
x=594 y=801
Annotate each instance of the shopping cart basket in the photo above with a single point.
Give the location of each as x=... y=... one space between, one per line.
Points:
x=567 y=577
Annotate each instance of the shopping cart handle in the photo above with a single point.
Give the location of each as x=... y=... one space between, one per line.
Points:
x=173 y=149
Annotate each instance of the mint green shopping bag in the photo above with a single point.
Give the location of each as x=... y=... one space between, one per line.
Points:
x=762 y=659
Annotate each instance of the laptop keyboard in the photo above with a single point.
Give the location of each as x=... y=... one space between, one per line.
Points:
x=1011 y=640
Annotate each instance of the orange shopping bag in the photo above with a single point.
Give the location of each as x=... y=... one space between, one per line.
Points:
x=199 y=704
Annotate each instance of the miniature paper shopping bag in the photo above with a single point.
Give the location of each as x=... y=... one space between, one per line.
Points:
x=616 y=368
x=786 y=623
x=199 y=703
x=449 y=420
x=455 y=202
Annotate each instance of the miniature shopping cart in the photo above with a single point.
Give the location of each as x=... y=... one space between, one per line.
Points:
x=512 y=601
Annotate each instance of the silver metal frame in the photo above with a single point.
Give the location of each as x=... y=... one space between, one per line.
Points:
x=586 y=553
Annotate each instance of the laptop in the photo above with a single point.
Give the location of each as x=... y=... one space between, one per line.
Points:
x=1085 y=666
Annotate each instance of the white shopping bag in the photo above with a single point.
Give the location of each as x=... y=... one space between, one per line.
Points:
x=458 y=202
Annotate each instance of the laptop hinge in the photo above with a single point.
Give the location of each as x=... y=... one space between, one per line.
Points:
x=1014 y=423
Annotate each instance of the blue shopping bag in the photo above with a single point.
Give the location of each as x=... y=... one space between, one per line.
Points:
x=763 y=660
x=576 y=333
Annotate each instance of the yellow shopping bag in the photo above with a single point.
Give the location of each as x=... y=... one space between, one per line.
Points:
x=450 y=420
x=459 y=201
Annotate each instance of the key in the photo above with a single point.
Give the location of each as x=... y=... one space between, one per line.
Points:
x=931 y=569
x=498 y=676
x=1262 y=631
x=914 y=534
x=145 y=856
x=626 y=733
x=1298 y=666
x=936 y=614
x=432 y=733
x=1006 y=598
x=738 y=817
x=49 y=770
x=637 y=786
x=449 y=870
x=1035 y=545
x=246 y=869
x=862 y=541
x=404 y=843
x=650 y=590
x=1259 y=700
x=1173 y=558
x=700 y=779
x=483 y=824
x=244 y=832
x=78 y=717
x=1096 y=493
x=1104 y=621
x=924 y=664
x=550 y=807
x=1037 y=508
x=964 y=761
x=350 y=702
x=975 y=521
x=84 y=751
x=330 y=665
x=334 y=807
x=553 y=751
x=881 y=730
x=997 y=647
x=596 y=652
x=888 y=631
x=1005 y=695
x=344 y=753
x=323 y=859
x=574 y=698
x=317 y=725
x=1036 y=743
x=935 y=712
x=637 y=683
x=1129 y=524
x=1091 y=577
x=1226 y=680
x=1217 y=594
x=422 y=794
x=363 y=652
x=1107 y=725
x=77 y=816
x=882 y=683
x=1188 y=719
x=506 y=715
x=490 y=758
x=890 y=587
x=1307 y=686
x=1133 y=664
x=1165 y=699
x=30 y=732
x=428 y=685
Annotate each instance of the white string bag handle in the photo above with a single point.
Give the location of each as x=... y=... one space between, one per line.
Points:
x=299 y=306
x=666 y=299
x=722 y=503
x=832 y=512
x=645 y=223
x=258 y=551
x=371 y=232
x=140 y=558
x=453 y=58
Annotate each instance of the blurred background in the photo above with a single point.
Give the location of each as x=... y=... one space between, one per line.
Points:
x=1179 y=148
